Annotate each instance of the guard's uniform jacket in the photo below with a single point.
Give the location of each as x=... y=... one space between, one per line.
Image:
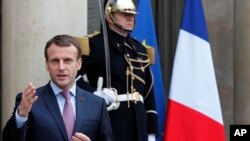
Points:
x=130 y=73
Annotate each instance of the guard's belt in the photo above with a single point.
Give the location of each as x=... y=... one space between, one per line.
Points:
x=133 y=97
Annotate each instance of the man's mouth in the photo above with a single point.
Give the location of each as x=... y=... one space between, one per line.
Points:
x=62 y=77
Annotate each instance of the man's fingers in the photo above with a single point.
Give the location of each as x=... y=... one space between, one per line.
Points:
x=80 y=137
x=32 y=100
x=29 y=96
x=29 y=89
x=29 y=92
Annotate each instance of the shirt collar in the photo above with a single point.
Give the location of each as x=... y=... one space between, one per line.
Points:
x=57 y=90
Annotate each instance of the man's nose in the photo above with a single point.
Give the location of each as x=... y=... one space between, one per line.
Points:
x=61 y=65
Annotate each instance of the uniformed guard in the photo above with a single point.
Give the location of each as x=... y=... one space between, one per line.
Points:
x=132 y=112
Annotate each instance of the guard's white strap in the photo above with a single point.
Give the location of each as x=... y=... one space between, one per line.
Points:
x=133 y=97
x=84 y=77
x=152 y=112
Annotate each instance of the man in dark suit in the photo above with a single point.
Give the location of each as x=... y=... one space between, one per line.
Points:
x=39 y=114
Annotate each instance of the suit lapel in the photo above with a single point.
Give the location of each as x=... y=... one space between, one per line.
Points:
x=52 y=104
x=81 y=105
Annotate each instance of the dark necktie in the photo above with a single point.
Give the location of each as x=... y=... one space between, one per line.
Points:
x=68 y=113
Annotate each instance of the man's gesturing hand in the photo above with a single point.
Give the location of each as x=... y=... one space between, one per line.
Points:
x=28 y=98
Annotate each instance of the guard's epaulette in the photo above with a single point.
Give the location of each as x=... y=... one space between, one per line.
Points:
x=150 y=52
x=84 y=42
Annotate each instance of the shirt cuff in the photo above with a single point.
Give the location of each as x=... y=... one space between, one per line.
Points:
x=20 y=120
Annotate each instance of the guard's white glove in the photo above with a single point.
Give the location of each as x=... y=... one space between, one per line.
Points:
x=109 y=94
x=151 y=137
x=107 y=97
x=112 y=92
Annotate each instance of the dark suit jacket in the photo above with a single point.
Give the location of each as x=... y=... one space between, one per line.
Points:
x=45 y=122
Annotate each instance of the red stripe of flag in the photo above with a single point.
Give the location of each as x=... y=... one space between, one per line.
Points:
x=186 y=124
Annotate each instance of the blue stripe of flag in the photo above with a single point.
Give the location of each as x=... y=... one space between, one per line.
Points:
x=194 y=20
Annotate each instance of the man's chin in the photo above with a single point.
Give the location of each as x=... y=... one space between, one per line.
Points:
x=63 y=84
x=129 y=28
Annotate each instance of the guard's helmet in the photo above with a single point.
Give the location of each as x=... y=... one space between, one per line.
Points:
x=125 y=6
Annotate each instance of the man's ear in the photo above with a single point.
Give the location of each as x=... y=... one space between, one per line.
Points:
x=46 y=65
x=79 y=63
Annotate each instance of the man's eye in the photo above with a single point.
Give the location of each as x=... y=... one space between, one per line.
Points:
x=67 y=61
x=54 y=61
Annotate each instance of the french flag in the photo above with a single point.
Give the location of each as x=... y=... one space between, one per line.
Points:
x=193 y=111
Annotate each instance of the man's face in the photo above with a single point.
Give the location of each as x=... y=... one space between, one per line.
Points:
x=63 y=65
x=126 y=20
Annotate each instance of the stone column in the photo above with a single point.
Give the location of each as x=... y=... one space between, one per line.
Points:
x=26 y=27
x=242 y=62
